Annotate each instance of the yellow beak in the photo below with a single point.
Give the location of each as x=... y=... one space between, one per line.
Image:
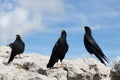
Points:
x=63 y=29
x=16 y=36
x=83 y=26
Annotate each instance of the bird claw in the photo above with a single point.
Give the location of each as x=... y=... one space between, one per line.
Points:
x=17 y=57
x=61 y=66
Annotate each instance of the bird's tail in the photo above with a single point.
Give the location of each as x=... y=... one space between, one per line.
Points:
x=51 y=63
x=11 y=58
x=106 y=59
x=100 y=58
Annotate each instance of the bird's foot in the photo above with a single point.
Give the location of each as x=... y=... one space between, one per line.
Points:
x=17 y=57
x=62 y=66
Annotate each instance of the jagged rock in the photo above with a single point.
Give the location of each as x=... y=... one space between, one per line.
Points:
x=29 y=65
x=33 y=67
x=2 y=77
x=86 y=69
x=115 y=72
x=58 y=73
x=42 y=71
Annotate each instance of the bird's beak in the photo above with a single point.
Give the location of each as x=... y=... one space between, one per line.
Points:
x=16 y=36
x=83 y=27
x=63 y=29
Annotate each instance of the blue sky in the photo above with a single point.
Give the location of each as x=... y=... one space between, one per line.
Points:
x=39 y=22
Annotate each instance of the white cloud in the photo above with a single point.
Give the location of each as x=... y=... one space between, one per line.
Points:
x=25 y=17
x=17 y=22
x=52 y=6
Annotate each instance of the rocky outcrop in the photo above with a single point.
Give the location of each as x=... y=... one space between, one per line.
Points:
x=115 y=72
x=33 y=67
x=87 y=69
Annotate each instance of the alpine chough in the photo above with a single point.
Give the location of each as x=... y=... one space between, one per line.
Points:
x=59 y=50
x=92 y=47
x=17 y=47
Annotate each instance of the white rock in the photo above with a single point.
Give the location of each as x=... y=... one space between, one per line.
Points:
x=33 y=67
x=59 y=73
x=115 y=72
x=5 y=51
x=86 y=69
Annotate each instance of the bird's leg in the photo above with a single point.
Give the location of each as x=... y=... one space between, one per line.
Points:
x=91 y=55
x=62 y=65
x=18 y=56
x=57 y=64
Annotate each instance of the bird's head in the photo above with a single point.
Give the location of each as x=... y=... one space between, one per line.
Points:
x=17 y=36
x=63 y=32
x=87 y=29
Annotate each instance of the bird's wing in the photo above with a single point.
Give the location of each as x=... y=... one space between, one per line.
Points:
x=97 y=48
x=55 y=46
x=16 y=49
x=22 y=46
x=10 y=45
x=53 y=58
x=13 y=54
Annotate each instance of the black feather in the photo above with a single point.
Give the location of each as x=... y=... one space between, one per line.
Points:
x=10 y=45
x=59 y=50
x=18 y=47
x=92 y=47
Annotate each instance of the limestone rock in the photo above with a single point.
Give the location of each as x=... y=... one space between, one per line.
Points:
x=33 y=67
x=115 y=72
x=5 y=51
x=58 y=73
x=86 y=69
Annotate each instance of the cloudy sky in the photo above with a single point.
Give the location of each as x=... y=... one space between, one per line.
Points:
x=39 y=22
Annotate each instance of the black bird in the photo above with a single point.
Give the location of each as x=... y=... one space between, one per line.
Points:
x=10 y=45
x=17 y=47
x=92 y=47
x=59 y=51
